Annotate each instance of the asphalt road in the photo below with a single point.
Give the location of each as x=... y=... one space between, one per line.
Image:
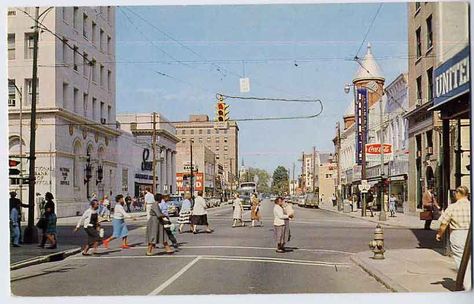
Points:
x=229 y=261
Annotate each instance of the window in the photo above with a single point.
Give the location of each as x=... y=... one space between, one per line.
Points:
x=418 y=42
x=101 y=76
x=419 y=93
x=11 y=46
x=29 y=91
x=429 y=139
x=85 y=102
x=65 y=50
x=109 y=113
x=192 y=131
x=109 y=45
x=101 y=40
x=429 y=75
x=85 y=67
x=76 y=100
x=109 y=81
x=74 y=58
x=94 y=31
x=84 y=26
x=225 y=148
x=217 y=149
x=225 y=131
x=75 y=16
x=29 y=44
x=208 y=131
x=208 y=139
x=94 y=107
x=200 y=139
x=200 y=131
x=124 y=180
x=101 y=110
x=65 y=95
x=94 y=71
x=217 y=131
x=11 y=93
x=429 y=33
x=64 y=13
x=183 y=132
x=417 y=6
x=225 y=139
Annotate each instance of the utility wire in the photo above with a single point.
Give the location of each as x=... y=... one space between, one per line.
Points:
x=368 y=31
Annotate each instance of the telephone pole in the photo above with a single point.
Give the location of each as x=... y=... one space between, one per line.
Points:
x=191 y=169
x=31 y=233
x=338 y=151
x=154 y=152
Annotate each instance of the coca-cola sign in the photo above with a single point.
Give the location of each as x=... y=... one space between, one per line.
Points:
x=373 y=152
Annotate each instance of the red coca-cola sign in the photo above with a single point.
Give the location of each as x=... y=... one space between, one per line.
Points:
x=375 y=149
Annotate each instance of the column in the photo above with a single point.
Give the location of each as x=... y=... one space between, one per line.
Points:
x=173 y=172
x=162 y=170
x=168 y=170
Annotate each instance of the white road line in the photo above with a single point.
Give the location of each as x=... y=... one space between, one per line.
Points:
x=253 y=247
x=174 y=277
x=228 y=258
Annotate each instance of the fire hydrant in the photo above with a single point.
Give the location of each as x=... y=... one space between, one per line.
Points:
x=377 y=245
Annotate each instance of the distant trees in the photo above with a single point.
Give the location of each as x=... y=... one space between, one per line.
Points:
x=280 y=183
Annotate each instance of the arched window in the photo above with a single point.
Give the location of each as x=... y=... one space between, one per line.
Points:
x=76 y=165
x=14 y=143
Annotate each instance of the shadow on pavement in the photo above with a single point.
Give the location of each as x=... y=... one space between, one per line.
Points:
x=46 y=272
x=426 y=239
x=447 y=283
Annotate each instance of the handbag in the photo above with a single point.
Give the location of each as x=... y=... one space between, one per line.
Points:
x=41 y=224
x=426 y=215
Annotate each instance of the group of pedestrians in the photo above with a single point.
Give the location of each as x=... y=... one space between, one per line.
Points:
x=282 y=212
x=255 y=214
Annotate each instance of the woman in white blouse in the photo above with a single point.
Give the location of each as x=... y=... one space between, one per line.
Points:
x=118 y=223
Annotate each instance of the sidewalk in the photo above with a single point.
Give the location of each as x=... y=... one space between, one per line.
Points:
x=69 y=242
x=410 y=270
x=400 y=219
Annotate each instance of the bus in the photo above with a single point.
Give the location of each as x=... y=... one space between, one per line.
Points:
x=245 y=191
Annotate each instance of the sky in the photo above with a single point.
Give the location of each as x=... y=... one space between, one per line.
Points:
x=174 y=59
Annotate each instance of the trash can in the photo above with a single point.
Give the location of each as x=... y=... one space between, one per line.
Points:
x=347 y=208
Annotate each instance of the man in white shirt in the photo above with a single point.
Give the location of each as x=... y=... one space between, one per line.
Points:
x=149 y=200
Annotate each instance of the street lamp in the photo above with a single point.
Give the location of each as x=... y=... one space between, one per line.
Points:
x=372 y=86
x=88 y=174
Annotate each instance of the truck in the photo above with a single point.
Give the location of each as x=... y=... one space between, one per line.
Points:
x=245 y=191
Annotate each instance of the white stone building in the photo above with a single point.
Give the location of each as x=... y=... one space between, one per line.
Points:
x=76 y=101
x=135 y=151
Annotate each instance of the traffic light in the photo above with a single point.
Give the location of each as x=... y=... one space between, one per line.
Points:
x=222 y=112
x=12 y=164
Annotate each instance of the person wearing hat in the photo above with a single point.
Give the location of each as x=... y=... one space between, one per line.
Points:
x=90 y=222
x=16 y=203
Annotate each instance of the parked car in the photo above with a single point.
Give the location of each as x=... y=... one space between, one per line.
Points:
x=311 y=200
x=177 y=201
x=301 y=201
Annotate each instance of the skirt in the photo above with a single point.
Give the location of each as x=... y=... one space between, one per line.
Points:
x=184 y=217
x=199 y=219
x=120 y=228
x=92 y=235
x=279 y=234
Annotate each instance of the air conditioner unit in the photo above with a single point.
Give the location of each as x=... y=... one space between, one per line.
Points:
x=103 y=121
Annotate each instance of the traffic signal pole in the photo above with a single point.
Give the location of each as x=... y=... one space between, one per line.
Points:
x=31 y=233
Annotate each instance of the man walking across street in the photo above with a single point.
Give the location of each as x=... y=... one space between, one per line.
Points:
x=149 y=200
x=458 y=217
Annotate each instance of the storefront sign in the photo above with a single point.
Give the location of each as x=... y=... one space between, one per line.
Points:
x=183 y=181
x=64 y=176
x=143 y=176
x=146 y=165
x=373 y=152
x=357 y=173
x=452 y=78
x=361 y=119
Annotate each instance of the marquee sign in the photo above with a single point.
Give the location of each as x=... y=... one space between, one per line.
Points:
x=361 y=120
x=183 y=181
x=373 y=152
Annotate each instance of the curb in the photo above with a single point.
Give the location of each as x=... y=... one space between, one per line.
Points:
x=369 y=220
x=378 y=275
x=57 y=256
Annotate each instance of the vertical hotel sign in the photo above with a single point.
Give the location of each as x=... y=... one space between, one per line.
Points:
x=361 y=123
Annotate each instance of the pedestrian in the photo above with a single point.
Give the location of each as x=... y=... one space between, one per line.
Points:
x=430 y=204
x=51 y=230
x=149 y=200
x=334 y=200
x=392 y=205
x=120 y=229
x=255 y=211
x=199 y=216
x=458 y=217
x=14 y=227
x=164 y=205
x=288 y=210
x=49 y=211
x=108 y=205
x=155 y=231
x=370 y=202
x=90 y=221
x=238 y=211
x=16 y=202
x=128 y=202
x=279 y=225
x=185 y=213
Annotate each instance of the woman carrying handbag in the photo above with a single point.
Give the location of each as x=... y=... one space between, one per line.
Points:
x=430 y=206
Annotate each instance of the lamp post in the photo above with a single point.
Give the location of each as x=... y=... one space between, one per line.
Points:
x=372 y=86
x=191 y=169
x=88 y=174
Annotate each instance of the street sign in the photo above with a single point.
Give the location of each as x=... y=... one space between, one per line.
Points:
x=364 y=188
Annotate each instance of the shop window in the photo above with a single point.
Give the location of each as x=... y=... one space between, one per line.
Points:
x=418 y=42
x=429 y=33
x=11 y=46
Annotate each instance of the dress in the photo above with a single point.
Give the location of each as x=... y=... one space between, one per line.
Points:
x=51 y=226
x=237 y=209
x=155 y=232
x=255 y=212
x=199 y=216
x=92 y=232
x=185 y=213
